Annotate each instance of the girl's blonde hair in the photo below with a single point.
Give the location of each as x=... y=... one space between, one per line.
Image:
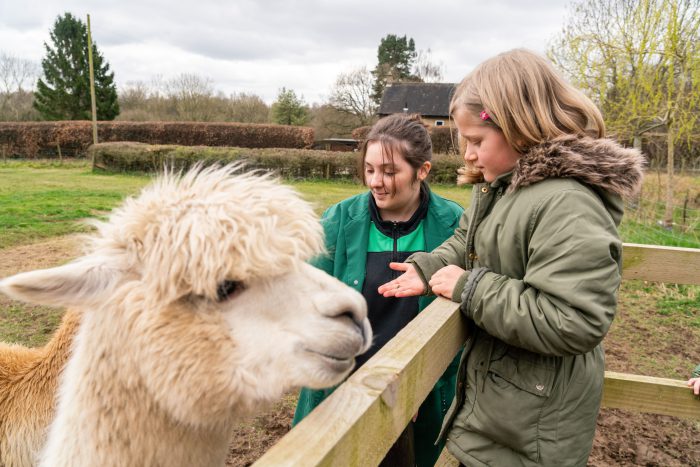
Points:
x=527 y=100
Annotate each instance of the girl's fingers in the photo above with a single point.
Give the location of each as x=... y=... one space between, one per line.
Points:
x=694 y=383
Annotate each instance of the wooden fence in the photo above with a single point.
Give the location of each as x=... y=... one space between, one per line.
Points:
x=357 y=425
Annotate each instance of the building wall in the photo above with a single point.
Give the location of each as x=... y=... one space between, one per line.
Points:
x=432 y=120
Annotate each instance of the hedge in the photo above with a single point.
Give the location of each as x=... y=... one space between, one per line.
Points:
x=444 y=138
x=72 y=138
x=360 y=133
x=287 y=162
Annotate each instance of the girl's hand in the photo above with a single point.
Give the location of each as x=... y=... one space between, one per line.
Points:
x=408 y=284
x=694 y=383
x=443 y=282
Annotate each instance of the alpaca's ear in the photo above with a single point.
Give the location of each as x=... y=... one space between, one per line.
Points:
x=79 y=283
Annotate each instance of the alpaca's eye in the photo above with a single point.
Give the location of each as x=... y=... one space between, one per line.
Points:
x=226 y=289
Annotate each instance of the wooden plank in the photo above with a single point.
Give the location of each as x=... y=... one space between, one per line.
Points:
x=361 y=420
x=661 y=263
x=648 y=394
x=446 y=460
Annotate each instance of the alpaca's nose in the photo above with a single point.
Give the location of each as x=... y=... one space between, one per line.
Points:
x=359 y=324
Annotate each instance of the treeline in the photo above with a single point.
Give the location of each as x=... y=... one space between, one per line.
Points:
x=193 y=98
x=140 y=103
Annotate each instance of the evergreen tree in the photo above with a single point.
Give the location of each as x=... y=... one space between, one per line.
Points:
x=288 y=109
x=395 y=57
x=64 y=91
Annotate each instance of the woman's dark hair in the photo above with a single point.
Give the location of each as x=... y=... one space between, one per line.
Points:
x=403 y=134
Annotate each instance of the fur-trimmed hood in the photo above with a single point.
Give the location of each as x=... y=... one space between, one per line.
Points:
x=602 y=164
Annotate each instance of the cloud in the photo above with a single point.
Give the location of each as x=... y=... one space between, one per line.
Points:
x=260 y=46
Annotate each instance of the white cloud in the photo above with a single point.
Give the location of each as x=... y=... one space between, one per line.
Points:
x=261 y=46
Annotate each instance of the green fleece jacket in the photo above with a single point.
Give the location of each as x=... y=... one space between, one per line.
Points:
x=347 y=229
x=543 y=261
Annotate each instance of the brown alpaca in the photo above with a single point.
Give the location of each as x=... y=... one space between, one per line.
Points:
x=28 y=383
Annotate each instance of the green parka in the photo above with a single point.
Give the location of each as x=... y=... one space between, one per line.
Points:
x=543 y=261
x=347 y=226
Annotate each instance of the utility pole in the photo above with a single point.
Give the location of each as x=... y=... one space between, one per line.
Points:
x=92 y=84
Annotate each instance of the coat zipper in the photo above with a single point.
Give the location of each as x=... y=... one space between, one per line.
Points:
x=396 y=246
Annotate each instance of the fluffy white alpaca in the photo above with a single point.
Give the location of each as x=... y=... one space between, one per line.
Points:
x=198 y=307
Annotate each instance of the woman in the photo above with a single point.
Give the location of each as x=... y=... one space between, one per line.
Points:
x=397 y=217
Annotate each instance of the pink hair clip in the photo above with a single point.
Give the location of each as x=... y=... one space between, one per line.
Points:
x=484 y=115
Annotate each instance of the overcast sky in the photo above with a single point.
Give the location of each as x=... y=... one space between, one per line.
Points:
x=260 y=46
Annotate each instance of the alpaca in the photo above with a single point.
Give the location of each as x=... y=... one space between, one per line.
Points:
x=28 y=383
x=197 y=309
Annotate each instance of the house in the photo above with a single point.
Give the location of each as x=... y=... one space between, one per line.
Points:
x=430 y=100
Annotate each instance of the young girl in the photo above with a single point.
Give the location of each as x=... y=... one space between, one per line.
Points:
x=535 y=264
x=398 y=216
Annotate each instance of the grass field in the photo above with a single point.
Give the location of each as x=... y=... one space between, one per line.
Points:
x=45 y=199
x=42 y=200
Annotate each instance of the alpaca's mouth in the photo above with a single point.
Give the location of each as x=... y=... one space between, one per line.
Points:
x=337 y=361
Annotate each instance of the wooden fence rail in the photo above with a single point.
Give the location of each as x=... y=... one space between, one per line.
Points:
x=357 y=425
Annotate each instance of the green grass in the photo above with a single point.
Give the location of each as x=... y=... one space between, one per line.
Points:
x=30 y=325
x=681 y=302
x=323 y=193
x=655 y=330
x=41 y=200
x=636 y=232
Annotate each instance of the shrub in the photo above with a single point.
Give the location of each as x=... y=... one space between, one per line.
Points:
x=444 y=138
x=287 y=162
x=360 y=134
x=51 y=139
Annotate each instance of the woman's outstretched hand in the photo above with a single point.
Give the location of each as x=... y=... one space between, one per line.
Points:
x=408 y=284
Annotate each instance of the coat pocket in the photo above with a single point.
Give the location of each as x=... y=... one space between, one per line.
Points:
x=509 y=399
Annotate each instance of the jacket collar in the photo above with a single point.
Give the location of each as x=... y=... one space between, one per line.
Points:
x=402 y=228
x=358 y=209
x=439 y=219
x=599 y=163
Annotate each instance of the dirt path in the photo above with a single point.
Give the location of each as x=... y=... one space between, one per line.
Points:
x=40 y=255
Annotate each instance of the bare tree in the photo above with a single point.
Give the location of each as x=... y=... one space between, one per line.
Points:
x=188 y=97
x=192 y=96
x=17 y=77
x=425 y=69
x=329 y=122
x=352 y=94
x=247 y=108
x=135 y=102
x=16 y=74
